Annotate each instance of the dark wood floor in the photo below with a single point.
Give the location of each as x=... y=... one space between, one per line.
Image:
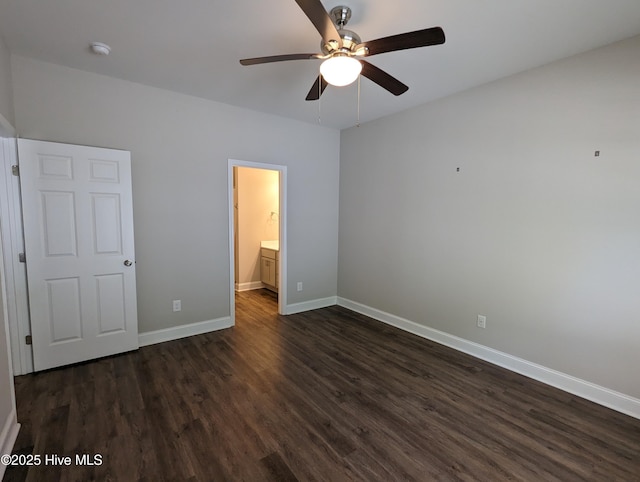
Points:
x=327 y=395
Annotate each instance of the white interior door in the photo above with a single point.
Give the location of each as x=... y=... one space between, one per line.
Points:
x=78 y=227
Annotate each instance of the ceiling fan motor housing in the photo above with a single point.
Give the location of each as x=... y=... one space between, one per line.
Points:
x=340 y=16
x=350 y=40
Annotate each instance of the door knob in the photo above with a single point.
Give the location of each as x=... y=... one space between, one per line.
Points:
x=128 y=262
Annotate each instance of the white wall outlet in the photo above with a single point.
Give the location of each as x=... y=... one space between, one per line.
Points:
x=482 y=321
x=299 y=285
x=177 y=305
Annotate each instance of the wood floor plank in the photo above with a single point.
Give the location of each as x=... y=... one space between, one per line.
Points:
x=278 y=469
x=323 y=395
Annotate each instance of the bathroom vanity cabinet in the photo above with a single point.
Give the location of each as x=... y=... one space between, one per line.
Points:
x=269 y=275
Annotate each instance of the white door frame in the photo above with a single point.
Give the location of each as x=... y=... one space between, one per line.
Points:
x=11 y=427
x=13 y=243
x=282 y=268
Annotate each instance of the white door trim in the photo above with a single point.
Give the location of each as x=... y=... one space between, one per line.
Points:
x=13 y=243
x=9 y=427
x=282 y=288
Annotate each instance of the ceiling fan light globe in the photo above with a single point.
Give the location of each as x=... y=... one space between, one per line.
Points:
x=340 y=70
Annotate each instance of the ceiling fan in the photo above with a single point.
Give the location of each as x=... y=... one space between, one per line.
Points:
x=343 y=50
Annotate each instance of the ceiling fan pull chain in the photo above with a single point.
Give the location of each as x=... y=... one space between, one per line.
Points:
x=319 y=99
x=359 y=77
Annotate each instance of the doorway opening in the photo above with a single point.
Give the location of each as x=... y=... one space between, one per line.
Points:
x=257 y=233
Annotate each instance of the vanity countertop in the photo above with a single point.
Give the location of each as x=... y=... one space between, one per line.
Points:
x=274 y=245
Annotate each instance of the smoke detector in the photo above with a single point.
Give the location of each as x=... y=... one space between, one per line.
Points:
x=99 y=48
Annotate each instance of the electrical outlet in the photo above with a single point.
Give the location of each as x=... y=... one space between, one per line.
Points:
x=177 y=305
x=482 y=321
x=299 y=285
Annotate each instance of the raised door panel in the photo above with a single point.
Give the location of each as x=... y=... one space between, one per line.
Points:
x=58 y=213
x=106 y=223
x=63 y=310
x=110 y=306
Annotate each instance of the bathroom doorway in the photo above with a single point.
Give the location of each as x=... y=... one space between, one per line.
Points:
x=257 y=231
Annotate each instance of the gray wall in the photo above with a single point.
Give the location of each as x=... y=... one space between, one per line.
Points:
x=6 y=93
x=534 y=231
x=180 y=146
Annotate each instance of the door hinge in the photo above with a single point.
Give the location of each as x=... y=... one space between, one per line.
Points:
x=22 y=258
x=15 y=170
x=28 y=340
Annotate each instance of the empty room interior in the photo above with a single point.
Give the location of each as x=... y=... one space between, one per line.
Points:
x=303 y=240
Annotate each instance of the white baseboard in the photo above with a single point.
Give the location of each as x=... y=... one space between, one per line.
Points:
x=8 y=437
x=249 y=285
x=311 y=305
x=182 y=331
x=590 y=391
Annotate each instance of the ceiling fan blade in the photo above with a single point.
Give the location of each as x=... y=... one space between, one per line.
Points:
x=317 y=89
x=383 y=79
x=320 y=19
x=278 y=58
x=408 y=40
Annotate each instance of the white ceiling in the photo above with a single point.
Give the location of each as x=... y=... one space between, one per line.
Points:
x=193 y=46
